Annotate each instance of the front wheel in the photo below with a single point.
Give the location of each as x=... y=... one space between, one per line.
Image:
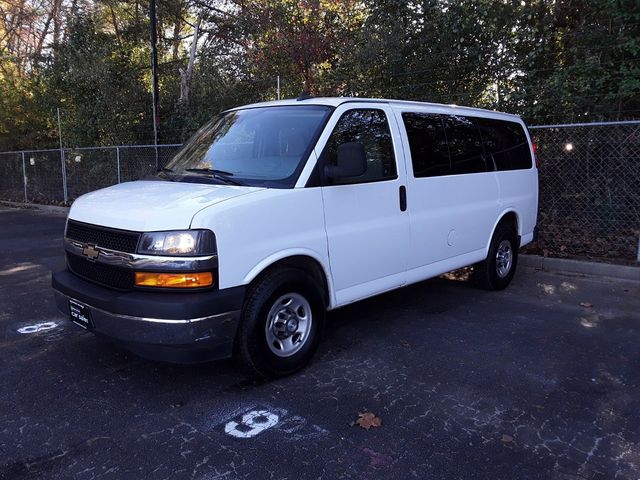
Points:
x=498 y=269
x=281 y=323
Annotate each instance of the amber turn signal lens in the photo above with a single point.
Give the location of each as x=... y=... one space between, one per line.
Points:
x=174 y=280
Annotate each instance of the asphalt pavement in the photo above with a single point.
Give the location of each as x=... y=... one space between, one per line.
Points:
x=539 y=381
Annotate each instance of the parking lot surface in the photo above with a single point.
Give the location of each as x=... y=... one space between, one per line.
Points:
x=541 y=380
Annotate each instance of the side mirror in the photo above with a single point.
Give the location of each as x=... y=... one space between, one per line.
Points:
x=351 y=161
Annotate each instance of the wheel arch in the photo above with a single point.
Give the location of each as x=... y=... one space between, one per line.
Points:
x=304 y=260
x=508 y=215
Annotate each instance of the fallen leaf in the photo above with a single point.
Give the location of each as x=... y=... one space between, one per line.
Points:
x=404 y=343
x=507 y=438
x=586 y=304
x=367 y=420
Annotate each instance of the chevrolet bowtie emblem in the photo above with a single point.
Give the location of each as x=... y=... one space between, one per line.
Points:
x=90 y=252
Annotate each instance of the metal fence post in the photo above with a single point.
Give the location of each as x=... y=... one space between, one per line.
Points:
x=62 y=162
x=64 y=176
x=24 y=178
x=118 y=162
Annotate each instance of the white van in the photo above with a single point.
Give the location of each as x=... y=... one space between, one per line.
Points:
x=276 y=212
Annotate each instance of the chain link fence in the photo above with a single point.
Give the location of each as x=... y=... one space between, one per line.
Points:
x=60 y=176
x=589 y=183
x=589 y=190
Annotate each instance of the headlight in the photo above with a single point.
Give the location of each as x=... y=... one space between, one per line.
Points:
x=181 y=243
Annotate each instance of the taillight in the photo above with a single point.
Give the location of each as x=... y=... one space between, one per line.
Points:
x=535 y=155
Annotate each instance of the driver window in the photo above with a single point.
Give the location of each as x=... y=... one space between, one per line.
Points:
x=369 y=127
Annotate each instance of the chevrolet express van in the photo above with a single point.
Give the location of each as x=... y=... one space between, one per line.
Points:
x=274 y=213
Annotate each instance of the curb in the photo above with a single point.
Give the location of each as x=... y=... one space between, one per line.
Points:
x=567 y=265
x=36 y=206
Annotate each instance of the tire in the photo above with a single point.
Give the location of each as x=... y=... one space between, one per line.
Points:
x=270 y=349
x=496 y=273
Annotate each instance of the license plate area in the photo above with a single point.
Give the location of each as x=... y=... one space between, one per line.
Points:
x=80 y=314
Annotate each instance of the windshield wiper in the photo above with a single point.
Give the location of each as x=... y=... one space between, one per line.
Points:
x=210 y=170
x=217 y=174
x=165 y=171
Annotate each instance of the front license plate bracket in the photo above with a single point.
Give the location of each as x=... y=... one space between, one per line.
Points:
x=80 y=314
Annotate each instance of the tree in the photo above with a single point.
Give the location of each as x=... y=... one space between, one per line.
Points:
x=300 y=41
x=99 y=83
x=548 y=60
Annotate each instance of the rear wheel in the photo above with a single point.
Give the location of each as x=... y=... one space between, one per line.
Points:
x=281 y=323
x=498 y=269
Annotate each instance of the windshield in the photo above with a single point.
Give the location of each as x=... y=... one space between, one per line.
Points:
x=257 y=146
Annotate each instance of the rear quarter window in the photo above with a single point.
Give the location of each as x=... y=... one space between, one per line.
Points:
x=505 y=144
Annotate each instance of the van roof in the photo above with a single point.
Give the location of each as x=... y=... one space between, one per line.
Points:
x=336 y=101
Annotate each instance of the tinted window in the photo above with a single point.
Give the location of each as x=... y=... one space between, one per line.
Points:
x=428 y=144
x=369 y=127
x=465 y=145
x=505 y=144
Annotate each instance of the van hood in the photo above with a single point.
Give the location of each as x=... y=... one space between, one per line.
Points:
x=151 y=205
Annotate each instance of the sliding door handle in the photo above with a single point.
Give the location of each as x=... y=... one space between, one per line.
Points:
x=403 y=198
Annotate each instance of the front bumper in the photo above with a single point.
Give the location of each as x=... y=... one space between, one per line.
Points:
x=183 y=327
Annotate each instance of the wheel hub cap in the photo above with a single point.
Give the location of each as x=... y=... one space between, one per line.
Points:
x=288 y=324
x=285 y=325
x=504 y=258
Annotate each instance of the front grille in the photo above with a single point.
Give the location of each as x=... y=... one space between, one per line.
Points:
x=119 y=240
x=107 y=275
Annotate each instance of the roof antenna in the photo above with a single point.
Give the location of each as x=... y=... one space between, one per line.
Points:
x=305 y=95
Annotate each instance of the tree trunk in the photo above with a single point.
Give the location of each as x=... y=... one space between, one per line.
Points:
x=185 y=77
x=114 y=20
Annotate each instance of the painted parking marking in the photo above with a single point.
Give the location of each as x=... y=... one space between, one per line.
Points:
x=253 y=423
x=257 y=419
x=38 y=327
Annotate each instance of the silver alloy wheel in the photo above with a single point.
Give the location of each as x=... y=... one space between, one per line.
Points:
x=504 y=258
x=288 y=324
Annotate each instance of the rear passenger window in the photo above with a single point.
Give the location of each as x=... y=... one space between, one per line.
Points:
x=465 y=145
x=428 y=144
x=369 y=127
x=505 y=144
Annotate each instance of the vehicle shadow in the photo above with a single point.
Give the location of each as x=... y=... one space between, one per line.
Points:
x=415 y=302
x=81 y=356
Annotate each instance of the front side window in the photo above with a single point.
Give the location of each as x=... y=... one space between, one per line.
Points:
x=265 y=146
x=369 y=127
x=465 y=145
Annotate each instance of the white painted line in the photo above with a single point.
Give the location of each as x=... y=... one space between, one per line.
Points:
x=38 y=327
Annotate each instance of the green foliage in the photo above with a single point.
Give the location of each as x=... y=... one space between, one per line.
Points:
x=22 y=122
x=100 y=87
x=550 y=61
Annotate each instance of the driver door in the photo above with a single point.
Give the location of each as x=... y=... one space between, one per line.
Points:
x=365 y=217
